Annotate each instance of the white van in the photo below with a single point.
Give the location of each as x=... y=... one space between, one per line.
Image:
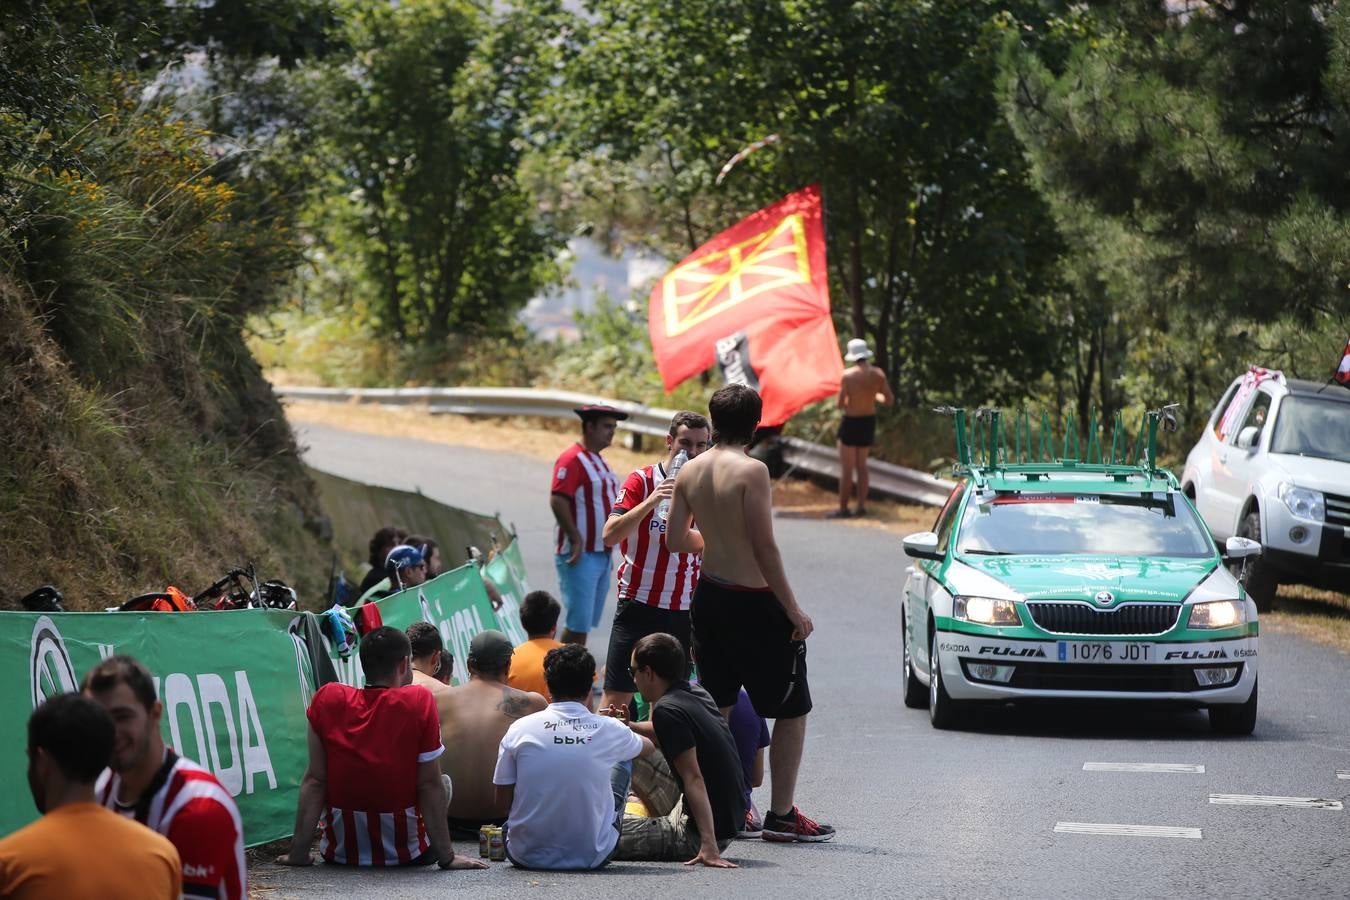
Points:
x=1274 y=465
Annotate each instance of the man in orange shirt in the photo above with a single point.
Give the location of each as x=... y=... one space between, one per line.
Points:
x=78 y=848
x=539 y=613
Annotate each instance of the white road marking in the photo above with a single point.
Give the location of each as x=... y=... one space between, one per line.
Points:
x=1182 y=768
x=1167 y=831
x=1343 y=774
x=1258 y=800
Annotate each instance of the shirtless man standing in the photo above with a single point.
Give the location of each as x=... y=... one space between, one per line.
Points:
x=862 y=388
x=474 y=717
x=748 y=630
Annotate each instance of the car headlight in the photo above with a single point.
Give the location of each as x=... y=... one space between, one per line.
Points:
x=986 y=611
x=1303 y=502
x=1218 y=614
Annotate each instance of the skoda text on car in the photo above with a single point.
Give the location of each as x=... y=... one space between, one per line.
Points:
x=1273 y=465
x=1072 y=580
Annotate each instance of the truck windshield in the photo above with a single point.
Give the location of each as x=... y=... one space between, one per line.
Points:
x=1109 y=524
x=1313 y=426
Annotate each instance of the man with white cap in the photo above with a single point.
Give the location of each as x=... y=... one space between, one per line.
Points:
x=861 y=389
x=581 y=495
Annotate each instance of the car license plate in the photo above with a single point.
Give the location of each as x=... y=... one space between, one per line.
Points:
x=1105 y=651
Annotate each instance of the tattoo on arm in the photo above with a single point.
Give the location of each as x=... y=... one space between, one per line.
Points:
x=514 y=703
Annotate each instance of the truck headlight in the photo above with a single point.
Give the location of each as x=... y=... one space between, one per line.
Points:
x=986 y=611
x=1303 y=502
x=1218 y=614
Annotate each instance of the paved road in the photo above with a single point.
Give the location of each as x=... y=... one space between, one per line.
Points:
x=953 y=814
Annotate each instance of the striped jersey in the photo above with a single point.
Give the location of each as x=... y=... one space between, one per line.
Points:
x=198 y=816
x=649 y=573
x=374 y=739
x=587 y=481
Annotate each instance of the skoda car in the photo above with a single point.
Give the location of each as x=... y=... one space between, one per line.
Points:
x=1067 y=581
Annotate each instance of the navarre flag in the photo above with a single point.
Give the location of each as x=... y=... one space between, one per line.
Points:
x=755 y=299
x=1343 y=370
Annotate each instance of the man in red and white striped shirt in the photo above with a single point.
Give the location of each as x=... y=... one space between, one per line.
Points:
x=374 y=775
x=581 y=494
x=655 y=585
x=168 y=793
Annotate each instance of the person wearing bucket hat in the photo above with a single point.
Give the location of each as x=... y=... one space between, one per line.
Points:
x=580 y=497
x=862 y=387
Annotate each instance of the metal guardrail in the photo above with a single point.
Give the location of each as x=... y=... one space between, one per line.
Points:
x=890 y=480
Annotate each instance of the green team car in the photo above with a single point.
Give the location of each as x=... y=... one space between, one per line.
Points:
x=1068 y=579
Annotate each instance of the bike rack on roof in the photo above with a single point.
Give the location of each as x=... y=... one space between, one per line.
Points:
x=984 y=447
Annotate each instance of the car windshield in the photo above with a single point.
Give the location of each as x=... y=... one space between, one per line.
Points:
x=1109 y=524
x=1313 y=426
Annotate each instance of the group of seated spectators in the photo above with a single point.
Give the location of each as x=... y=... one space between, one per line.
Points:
x=400 y=768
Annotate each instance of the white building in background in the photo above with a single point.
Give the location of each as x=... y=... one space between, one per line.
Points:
x=625 y=279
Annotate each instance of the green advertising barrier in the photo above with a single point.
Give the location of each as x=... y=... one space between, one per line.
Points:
x=230 y=683
x=235 y=685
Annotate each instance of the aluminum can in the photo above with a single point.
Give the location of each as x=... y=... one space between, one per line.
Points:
x=484 y=841
x=496 y=845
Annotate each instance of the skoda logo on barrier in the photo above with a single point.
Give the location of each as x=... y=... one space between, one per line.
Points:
x=49 y=663
x=1104 y=598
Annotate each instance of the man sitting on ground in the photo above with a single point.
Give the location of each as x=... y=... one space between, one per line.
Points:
x=474 y=717
x=427 y=648
x=564 y=773
x=78 y=848
x=144 y=775
x=694 y=788
x=373 y=774
x=539 y=613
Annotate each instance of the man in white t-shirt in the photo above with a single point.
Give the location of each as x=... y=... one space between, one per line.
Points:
x=564 y=773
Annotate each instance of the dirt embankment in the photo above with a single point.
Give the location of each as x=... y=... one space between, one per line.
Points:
x=153 y=455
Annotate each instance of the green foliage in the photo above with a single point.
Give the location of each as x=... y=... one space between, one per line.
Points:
x=421 y=131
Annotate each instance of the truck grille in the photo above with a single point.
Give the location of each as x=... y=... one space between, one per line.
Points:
x=1080 y=618
x=1338 y=509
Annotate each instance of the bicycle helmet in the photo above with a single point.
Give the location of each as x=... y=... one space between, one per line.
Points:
x=276 y=595
x=45 y=599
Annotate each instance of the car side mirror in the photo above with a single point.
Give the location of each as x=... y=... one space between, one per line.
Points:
x=1241 y=548
x=1247 y=437
x=923 y=545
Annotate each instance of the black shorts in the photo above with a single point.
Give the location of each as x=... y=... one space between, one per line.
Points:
x=858 y=431
x=743 y=638
x=633 y=621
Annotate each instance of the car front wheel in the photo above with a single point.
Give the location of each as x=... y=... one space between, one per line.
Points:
x=1234 y=718
x=916 y=695
x=943 y=711
x=1261 y=582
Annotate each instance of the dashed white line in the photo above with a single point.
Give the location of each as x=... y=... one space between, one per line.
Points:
x=1343 y=774
x=1180 y=768
x=1163 y=831
x=1258 y=800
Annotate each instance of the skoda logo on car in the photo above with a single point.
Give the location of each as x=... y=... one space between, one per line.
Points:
x=1104 y=598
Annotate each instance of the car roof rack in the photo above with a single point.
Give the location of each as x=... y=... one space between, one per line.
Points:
x=984 y=448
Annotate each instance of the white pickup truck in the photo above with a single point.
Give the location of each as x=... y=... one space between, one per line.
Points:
x=1273 y=465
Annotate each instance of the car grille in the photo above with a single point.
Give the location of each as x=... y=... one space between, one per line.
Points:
x=1338 y=509
x=1093 y=677
x=1080 y=618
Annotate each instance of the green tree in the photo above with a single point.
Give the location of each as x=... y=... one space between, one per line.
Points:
x=933 y=228
x=422 y=131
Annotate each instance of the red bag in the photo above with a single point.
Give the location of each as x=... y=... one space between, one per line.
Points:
x=367 y=618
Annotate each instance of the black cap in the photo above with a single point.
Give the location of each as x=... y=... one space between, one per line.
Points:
x=599 y=411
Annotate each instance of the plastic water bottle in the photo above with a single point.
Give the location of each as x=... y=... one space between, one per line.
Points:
x=663 y=508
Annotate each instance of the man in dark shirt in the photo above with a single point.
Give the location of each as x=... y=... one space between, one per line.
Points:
x=694 y=788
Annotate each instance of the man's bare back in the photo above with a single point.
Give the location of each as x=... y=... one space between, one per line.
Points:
x=860 y=389
x=474 y=717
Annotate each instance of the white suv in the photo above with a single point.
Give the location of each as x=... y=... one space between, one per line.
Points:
x=1274 y=465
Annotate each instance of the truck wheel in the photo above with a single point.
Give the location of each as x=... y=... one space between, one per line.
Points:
x=1234 y=718
x=916 y=695
x=1261 y=581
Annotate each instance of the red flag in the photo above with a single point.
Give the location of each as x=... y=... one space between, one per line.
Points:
x=756 y=300
x=1343 y=370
